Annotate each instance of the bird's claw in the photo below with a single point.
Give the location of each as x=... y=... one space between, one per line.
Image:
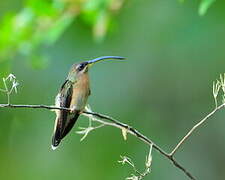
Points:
x=73 y=110
x=81 y=112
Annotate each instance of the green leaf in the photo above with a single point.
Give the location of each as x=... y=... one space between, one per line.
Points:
x=42 y=8
x=101 y=26
x=58 y=28
x=93 y=9
x=204 y=6
x=42 y=22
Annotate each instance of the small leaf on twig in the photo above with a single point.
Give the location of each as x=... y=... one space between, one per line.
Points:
x=222 y=82
x=11 y=77
x=133 y=177
x=149 y=158
x=216 y=88
x=9 y=87
x=124 y=133
x=14 y=86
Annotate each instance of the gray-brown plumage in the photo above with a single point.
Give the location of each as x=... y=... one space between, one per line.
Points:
x=73 y=94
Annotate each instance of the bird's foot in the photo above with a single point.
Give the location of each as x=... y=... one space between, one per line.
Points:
x=81 y=112
x=73 y=110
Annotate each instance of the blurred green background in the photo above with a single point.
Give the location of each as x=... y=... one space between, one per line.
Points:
x=173 y=52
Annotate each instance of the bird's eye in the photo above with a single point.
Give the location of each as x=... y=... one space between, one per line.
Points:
x=80 y=67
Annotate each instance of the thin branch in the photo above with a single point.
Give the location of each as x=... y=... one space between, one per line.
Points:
x=86 y=131
x=33 y=107
x=115 y=123
x=194 y=128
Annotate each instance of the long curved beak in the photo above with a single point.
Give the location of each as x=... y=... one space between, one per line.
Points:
x=103 y=58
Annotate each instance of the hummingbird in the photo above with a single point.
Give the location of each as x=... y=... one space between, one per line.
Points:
x=73 y=94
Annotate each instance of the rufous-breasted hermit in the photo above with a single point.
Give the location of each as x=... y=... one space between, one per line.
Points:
x=73 y=94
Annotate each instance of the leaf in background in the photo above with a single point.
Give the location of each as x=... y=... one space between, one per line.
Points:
x=15 y=29
x=42 y=7
x=22 y=27
x=58 y=28
x=204 y=6
x=95 y=5
x=101 y=27
x=124 y=133
x=42 y=22
x=91 y=10
x=96 y=13
x=5 y=36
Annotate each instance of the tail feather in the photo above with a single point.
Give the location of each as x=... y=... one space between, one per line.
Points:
x=56 y=139
x=61 y=130
x=70 y=125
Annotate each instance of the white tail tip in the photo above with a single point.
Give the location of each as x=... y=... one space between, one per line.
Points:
x=54 y=147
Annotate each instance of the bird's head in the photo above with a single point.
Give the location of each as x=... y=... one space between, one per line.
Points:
x=79 y=69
